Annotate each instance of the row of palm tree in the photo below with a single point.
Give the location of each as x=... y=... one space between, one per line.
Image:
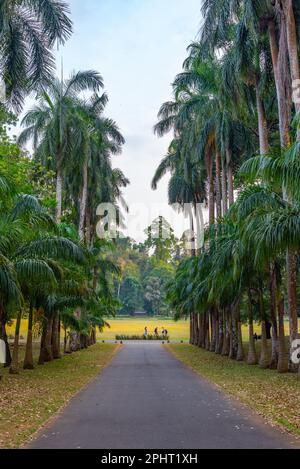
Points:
x=47 y=274
x=53 y=268
x=236 y=148
x=81 y=141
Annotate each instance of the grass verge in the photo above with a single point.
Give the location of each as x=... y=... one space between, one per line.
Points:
x=276 y=397
x=28 y=400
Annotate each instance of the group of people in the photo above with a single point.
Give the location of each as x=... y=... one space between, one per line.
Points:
x=164 y=332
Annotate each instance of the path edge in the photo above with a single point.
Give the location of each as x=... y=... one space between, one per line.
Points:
x=238 y=401
x=54 y=417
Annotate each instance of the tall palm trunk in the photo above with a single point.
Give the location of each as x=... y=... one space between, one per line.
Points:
x=14 y=368
x=217 y=331
x=262 y=123
x=233 y=332
x=88 y=226
x=230 y=177
x=83 y=201
x=264 y=360
x=55 y=339
x=219 y=345
x=292 y=302
x=218 y=185
x=28 y=360
x=280 y=80
x=282 y=366
x=213 y=331
x=224 y=189
x=280 y=71
x=273 y=308
x=292 y=42
x=59 y=184
x=252 y=357
x=240 y=350
x=211 y=191
x=65 y=339
x=226 y=341
x=46 y=345
x=192 y=329
x=207 y=332
x=201 y=332
x=197 y=329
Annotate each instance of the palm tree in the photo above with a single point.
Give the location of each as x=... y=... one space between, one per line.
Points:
x=99 y=138
x=28 y=31
x=53 y=125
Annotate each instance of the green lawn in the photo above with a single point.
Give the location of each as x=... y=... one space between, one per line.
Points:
x=29 y=399
x=276 y=397
x=135 y=326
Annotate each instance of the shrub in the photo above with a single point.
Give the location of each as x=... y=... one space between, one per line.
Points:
x=141 y=337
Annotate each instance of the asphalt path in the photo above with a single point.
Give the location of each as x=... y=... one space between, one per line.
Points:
x=146 y=399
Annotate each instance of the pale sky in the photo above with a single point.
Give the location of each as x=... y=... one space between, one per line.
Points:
x=138 y=46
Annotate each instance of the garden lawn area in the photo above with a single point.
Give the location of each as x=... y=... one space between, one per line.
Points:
x=135 y=326
x=29 y=399
x=276 y=397
x=177 y=330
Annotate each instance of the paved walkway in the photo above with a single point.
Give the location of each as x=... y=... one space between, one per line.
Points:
x=146 y=399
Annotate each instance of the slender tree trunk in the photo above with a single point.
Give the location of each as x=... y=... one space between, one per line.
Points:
x=273 y=308
x=262 y=123
x=230 y=177
x=240 y=350
x=283 y=362
x=65 y=339
x=46 y=346
x=196 y=331
x=199 y=330
x=211 y=192
x=226 y=341
x=219 y=346
x=201 y=334
x=280 y=82
x=213 y=331
x=55 y=339
x=252 y=357
x=264 y=360
x=207 y=330
x=280 y=69
x=292 y=301
x=292 y=42
x=217 y=331
x=233 y=336
x=59 y=184
x=218 y=185
x=83 y=202
x=224 y=189
x=193 y=329
x=88 y=226
x=234 y=339
x=28 y=360
x=14 y=368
